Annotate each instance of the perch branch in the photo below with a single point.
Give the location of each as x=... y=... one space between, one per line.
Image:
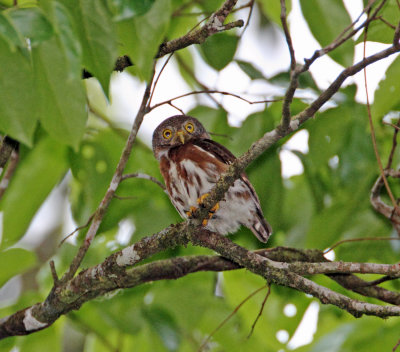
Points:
x=116 y=272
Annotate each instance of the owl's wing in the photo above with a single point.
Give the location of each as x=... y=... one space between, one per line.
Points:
x=216 y=149
x=261 y=228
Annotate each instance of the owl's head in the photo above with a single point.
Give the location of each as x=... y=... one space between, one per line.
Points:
x=175 y=131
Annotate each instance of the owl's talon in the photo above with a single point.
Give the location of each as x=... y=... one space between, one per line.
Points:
x=200 y=200
x=191 y=211
x=214 y=209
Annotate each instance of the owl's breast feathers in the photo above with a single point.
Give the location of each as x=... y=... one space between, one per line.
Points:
x=192 y=169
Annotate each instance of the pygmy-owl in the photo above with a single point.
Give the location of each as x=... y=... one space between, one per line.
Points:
x=191 y=163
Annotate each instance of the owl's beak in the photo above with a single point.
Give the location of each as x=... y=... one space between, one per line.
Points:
x=181 y=135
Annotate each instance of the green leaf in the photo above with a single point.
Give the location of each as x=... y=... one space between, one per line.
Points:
x=306 y=80
x=142 y=36
x=219 y=49
x=326 y=21
x=93 y=166
x=11 y=35
x=35 y=177
x=381 y=31
x=272 y=9
x=33 y=24
x=210 y=5
x=98 y=39
x=127 y=9
x=387 y=96
x=165 y=326
x=15 y=261
x=58 y=81
x=249 y=69
x=18 y=98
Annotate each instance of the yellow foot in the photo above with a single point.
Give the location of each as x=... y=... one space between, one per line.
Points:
x=200 y=200
x=212 y=211
x=191 y=211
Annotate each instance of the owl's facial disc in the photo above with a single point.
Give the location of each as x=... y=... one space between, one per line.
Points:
x=181 y=135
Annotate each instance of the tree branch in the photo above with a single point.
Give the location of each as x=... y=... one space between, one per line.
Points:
x=117 y=177
x=215 y=24
x=116 y=273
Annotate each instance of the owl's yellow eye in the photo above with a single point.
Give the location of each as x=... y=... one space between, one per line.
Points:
x=167 y=133
x=189 y=127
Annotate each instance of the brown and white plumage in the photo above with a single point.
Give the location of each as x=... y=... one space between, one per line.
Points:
x=191 y=163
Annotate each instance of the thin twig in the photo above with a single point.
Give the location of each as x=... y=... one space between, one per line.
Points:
x=124 y=197
x=204 y=344
x=294 y=77
x=183 y=64
x=213 y=92
x=394 y=144
x=213 y=25
x=337 y=244
x=53 y=273
x=372 y=128
x=76 y=230
x=145 y=177
x=378 y=281
x=116 y=179
x=158 y=77
x=395 y=346
x=260 y=311
x=250 y=5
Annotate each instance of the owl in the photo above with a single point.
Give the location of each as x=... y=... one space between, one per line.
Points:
x=191 y=164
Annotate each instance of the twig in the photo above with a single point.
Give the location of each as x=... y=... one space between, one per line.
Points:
x=183 y=64
x=250 y=5
x=373 y=137
x=378 y=281
x=392 y=125
x=212 y=26
x=260 y=311
x=331 y=248
x=212 y=92
x=54 y=273
x=395 y=346
x=158 y=77
x=116 y=179
x=124 y=197
x=145 y=177
x=394 y=144
x=77 y=229
x=342 y=37
x=220 y=325
x=294 y=77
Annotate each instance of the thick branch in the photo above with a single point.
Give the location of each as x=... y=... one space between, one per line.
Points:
x=271 y=137
x=214 y=25
x=116 y=273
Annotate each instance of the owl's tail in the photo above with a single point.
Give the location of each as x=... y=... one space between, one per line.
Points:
x=261 y=229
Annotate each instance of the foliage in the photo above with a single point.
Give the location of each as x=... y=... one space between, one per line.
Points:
x=44 y=46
